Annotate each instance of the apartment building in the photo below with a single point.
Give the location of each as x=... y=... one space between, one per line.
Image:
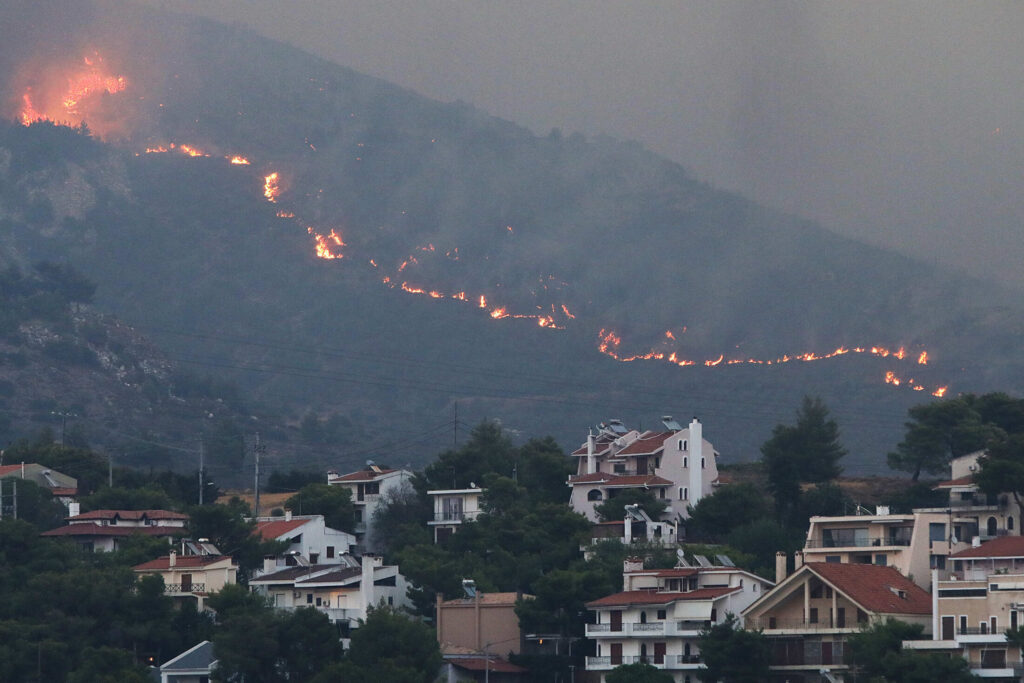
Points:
x=452 y=507
x=367 y=486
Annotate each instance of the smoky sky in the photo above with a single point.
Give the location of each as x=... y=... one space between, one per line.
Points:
x=897 y=123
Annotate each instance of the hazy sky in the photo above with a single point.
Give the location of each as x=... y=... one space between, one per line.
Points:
x=899 y=123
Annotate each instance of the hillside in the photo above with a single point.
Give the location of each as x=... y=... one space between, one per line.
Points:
x=475 y=262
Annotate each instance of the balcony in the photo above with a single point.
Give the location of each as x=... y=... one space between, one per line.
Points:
x=769 y=624
x=814 y=544
x=649 y=629
x=454 y=516
x=662 y=662
x=184 y=588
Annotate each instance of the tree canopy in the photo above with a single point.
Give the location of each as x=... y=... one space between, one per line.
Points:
x=732 y=654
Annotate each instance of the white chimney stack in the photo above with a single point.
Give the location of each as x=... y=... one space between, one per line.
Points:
x=695 y=436
x=287 y=515
x=591 y=462
x=172 y=559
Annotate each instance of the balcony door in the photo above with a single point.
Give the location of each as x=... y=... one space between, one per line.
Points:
x=616 y=653
x=186 y=583
x=947 y=628
x=659 y=653
x=616 y=616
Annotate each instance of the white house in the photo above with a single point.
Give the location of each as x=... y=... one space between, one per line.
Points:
x=103 y=530
x=194 y=665
x=310 y=540
x=192 y=576
x=658 y=616
x=452 y=507
x=677 y=464
x=343 y=591
x=367 y=487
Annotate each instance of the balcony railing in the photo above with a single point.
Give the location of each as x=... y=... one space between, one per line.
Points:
x=651 y=628
x=184 y=589
x=859 y=543
x=455 y=516
x=660 y=662
x=799 y=624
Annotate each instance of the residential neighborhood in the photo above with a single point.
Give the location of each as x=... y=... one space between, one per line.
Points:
x=639 y=554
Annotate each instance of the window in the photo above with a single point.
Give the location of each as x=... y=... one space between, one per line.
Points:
x=686 y=494
x=686 y=462
x=833 y=559
x=662 y=614
x=813 y=617
x=661 y=493
x=936 y=532
x=1009 y=523
x=1013 y=619
x=702 y=463
x=620 y=468
x=373 y=488
x=983 y=627
x=319 y=602
x=314 y=558
x=330 y=551
x=594 y=494
x=714 y=614
x=391 y=600
x=771 y=622
x=881 y=560
x=995 y=624
x=963 y=623
x=643 y=617
x=309 y=598
x=816 y=591
x=682 y=446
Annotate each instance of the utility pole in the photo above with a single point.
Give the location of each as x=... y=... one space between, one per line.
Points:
x=110 y=470
x=455 y=427
x=15 y=487
x=202 y=478
x=257 y=451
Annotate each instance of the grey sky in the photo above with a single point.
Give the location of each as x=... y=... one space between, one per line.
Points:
x=900 y=123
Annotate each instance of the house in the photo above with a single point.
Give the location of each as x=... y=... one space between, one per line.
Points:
x=476 y=632
x=810 y=613
x=978 y=514
x=676 y=464
x=104 y=530
x=344 y=591
x=452 y=507
x=635 y=527
x=913 y=544
x=981 y=598
x=194 y=665
x=309 y=539
x=367 y=487
x=61 y=486
x=658 y=615
x=191 y=576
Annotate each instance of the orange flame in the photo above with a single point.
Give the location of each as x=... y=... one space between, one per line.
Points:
x=940 y=392
x=271 y=187
x=923 y=358
x=84 y=85
x=238 y=160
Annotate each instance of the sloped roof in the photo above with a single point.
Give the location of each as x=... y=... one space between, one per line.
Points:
x=363 y=475
x=655 y=598
x=134 y=515
x=270 y=531
x=199 y=657
x=959 y=481
x=601 y=445
x=648 y=443
x=181 y=562
x=96 y=529
x=1003 y=546
x=870 y=586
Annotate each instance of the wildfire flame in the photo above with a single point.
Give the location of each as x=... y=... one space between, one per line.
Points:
x=323 y=244
x=83 y=85
x=271 y=187
x=609 y=343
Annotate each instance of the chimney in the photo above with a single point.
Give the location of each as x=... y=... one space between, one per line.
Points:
x=269 y=564
x=591 y=462
x=631 y=564
x=780 y=566
x=696 y=438
x=366 y=589
x=798 y=560
x=287 y=515
x=74 y=509
x=172 y=559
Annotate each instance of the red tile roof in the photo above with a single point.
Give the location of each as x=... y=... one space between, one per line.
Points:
x=601 y=446
x=871 y=586
x=64 y=491
x=180 y=562
x=134 y=515
x=362 y=475
x=959 y=481
x=651 y=442
x=94 y=529
x=270 y=531
x=656 y=598
x=1004 y=546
